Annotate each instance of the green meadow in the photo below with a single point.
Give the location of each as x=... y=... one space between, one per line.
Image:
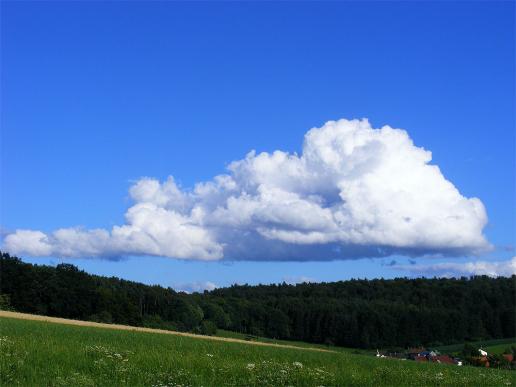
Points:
x=497 y=346
x=34 y=353
x=301 y=344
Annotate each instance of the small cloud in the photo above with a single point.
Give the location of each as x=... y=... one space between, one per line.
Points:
x=195 y=287
x=292 y=280
x=456 y=269
x=393 y=262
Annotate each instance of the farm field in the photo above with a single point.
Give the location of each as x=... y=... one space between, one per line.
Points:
x=300 y=344
x=498 y=349
x=51 y=354
x=491 y=346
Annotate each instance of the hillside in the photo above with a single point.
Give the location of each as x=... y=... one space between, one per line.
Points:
x=80 y=323
x=45 y=353
x=356 y=313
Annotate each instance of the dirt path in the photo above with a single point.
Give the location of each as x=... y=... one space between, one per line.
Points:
x=57 y=320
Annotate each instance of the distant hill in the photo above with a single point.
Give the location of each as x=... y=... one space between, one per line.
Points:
x=357 y=313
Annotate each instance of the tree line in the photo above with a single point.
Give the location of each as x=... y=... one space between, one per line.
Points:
x=356 y=313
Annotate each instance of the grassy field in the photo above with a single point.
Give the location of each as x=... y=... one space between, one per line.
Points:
x=36 y=353
x=491 y=346
x=497 y=349
x=300 y=344
x=497 y=346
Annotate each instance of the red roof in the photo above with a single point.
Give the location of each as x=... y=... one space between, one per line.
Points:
x=483 y=361
x=443 y=359
x=420 y=358
x=509 y=357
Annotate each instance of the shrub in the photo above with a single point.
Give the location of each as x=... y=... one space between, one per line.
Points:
x=208 y=328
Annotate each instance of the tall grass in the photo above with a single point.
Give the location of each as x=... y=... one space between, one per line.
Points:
x=34 y=353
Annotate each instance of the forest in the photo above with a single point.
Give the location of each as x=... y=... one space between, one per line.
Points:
x=357 y=313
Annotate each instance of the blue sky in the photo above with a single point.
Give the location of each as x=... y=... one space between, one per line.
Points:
x=97 y=95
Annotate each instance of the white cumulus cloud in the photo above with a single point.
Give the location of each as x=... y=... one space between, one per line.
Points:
x=354 y=191
x=456 y=269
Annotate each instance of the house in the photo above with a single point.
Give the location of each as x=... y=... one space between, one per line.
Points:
x=480 y=361
x=428 y=355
